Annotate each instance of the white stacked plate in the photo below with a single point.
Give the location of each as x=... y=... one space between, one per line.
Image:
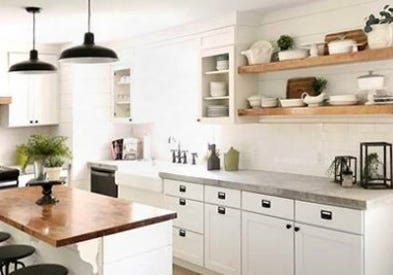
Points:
x=340 y=100
x=218 y=89
x=296 y=102
x=222 y=65
x=217 y=111
x=269 y=102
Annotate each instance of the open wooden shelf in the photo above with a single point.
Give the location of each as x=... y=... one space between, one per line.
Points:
x=366 y=55
x=322 y=110
x=5 y=100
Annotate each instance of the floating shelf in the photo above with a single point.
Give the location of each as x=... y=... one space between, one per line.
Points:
x=217 y=72
x=322 y=110
x=215 y=98
x=327 y=60
x=5 y=100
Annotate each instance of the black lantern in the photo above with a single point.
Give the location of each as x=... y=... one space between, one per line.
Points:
x=376 y=165
x=344 y=164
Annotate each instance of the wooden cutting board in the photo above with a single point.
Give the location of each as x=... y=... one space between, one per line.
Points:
x=297 y=86
x=358 y=35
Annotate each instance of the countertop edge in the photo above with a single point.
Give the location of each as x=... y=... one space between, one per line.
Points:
x=272 y=191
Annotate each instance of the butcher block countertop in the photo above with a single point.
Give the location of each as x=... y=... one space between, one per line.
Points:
x=79 y=216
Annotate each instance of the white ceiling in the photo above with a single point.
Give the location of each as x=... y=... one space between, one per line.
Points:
x=65 y=20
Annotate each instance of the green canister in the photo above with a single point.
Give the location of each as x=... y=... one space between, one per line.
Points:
x=231 y=160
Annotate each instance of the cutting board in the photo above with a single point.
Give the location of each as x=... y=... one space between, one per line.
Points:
x=297 y=86
x=358 y=35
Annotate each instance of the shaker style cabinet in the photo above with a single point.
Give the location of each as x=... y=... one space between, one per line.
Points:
x=34 y=97
x=222 y=239
x=326 y=252
x=268 y=246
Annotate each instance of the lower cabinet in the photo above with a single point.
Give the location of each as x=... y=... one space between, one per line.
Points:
x=222 y=239
x=188 y=246
x=268 y=245
x=326 y=252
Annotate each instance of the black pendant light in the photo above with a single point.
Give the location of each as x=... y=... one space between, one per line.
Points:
x=88 y=52
x=33 y=65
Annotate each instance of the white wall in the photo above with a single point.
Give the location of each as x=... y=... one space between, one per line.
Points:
x=302 y=145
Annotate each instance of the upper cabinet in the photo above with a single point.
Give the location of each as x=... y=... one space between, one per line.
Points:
x=121 y=92
x=222 y=90
x=34 y=97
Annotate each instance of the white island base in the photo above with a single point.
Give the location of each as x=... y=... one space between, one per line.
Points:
x=141 y=251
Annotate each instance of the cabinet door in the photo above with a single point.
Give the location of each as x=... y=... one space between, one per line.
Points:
x=268 y=245
x=326 y=252
x=44 y=88
x=20 y=111
x=222 y=239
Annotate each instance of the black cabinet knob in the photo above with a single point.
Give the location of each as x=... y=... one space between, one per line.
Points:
x=288 y=226
x=221 y=210
x=182 y=201
x=198 y=120
x=36 y=121
x=182 y=188
x=182 y=233
x=297 y=229
x=130 y=119
x=221 y=195
x=31 y=122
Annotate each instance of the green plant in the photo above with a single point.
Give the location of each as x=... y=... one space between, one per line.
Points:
x=372 y=166
x=21 y=154
x=40 y=148
x=319 y=85
x=54 y=161
x=285 y=42
x=385 y=17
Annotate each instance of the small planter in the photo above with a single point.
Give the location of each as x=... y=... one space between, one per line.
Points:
x=53 y=173
x=381 y=36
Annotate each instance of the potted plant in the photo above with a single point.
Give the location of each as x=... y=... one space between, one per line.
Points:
x=53 y=166
x=21 y=155
x=379 y=28
x=40 y=148
x=319 y=85
x=287 y=51
x=318 y=96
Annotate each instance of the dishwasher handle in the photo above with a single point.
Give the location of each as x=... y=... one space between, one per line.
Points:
x=102 y=173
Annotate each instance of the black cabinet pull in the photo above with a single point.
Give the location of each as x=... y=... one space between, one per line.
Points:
x=221 y=210
x=297 y=229
x=326 y=215
x=266 y=204
x=198 y=120
x=182 y=188
x=31 y=122
x=288 y=226
x=182 y=201
x=130 y=119
x=182 y=233
x=36 y=121
x=221 y=195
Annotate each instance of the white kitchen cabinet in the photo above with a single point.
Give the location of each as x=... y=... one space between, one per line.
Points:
x=188 y=246
x=222 y=239
x=267 y=245
x=326 y=252
x=121 y=92
x=34 y=97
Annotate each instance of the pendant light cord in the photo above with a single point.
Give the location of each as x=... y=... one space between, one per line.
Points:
x=88 y=15
x=33 y=30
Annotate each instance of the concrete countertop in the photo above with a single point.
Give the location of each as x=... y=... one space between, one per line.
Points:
x=286 y=185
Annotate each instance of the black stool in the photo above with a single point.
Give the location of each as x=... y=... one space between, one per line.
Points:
x=11 y=254
x=42 y=269
x=4 y=236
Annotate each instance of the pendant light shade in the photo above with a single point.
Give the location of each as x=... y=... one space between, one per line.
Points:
x=88 y=52
x=33 y=65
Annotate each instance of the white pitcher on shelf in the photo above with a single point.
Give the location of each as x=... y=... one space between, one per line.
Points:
x=313 y=101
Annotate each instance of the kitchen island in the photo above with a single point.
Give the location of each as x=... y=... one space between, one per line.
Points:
x=89 y=233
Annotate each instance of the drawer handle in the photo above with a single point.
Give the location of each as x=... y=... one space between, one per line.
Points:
x=266 y=204
x=182 y=188
x=182 y=201
x=221 y=210
x=326 y=215
x=297 y=229
x=182 y=233
x=288 y=226
x=221 y=195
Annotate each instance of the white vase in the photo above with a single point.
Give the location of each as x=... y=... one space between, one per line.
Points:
x=381 y=36
x=53 y=173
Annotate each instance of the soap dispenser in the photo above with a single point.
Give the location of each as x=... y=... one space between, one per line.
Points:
x=213 y=161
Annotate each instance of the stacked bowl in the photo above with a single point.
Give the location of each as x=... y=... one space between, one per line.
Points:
x=218 y=89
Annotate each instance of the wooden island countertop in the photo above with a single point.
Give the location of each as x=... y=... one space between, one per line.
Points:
x=79 y=216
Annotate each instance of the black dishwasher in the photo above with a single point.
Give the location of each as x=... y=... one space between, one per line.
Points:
x=102 y=181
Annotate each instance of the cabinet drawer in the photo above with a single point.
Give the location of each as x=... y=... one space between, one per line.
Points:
x=189 y=213
x=183 y=189
x=188 y=246
x=274 y=206
x=339 y=218
x=222 y=196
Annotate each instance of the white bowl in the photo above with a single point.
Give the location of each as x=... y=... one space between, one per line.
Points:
x=338 y=98
x=217 y=85
x=269 y=102
x=297 y=102
x=293 y=54
x=254 y=101
x=342 y=46
x=218 y=93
